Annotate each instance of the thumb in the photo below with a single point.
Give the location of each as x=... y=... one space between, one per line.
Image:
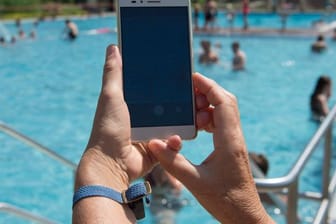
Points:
x=112 y=87
x=172 y=161
x=112 y=68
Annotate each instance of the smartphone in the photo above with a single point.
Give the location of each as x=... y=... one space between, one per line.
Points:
x=155 y=40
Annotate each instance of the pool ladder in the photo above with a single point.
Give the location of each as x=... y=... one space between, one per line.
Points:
x=287 y=184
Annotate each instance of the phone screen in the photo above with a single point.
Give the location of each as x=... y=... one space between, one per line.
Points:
x=157 y=65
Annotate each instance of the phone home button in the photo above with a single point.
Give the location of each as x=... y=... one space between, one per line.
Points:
x=158 y=110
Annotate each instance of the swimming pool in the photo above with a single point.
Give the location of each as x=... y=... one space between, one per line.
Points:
x=49 y=89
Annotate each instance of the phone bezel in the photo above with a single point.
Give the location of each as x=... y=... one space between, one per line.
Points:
x=146 y=133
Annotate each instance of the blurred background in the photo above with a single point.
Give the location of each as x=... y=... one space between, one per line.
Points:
x=47 y=8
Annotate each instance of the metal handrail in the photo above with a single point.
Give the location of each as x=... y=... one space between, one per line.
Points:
x=24 y=214
x=322 y=212
x=22 y=138
x=290 y=181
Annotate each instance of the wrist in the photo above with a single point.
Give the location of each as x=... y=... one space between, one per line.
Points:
x=96 y=168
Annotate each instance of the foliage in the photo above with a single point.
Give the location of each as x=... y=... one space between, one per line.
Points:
x=30 y=2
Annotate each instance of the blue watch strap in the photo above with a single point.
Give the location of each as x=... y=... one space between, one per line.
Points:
x=132 y=194
x=95 y=190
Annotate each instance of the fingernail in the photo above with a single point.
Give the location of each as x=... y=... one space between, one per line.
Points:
x=111 y=50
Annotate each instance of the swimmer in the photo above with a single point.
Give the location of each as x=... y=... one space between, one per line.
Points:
x=166 y=191
x=22 y=34
x=32 y=33
x=207 y=56
x=2 y=41
x=71 y=29
x=13 y=40
x=261 y=161
x=319 y=98
x=319 y=45
x=239 y=58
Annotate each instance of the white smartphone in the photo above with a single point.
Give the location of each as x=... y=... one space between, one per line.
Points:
x=156 y=45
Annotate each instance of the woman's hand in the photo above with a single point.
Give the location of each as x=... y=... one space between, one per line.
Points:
x=222 y=183
x=111 y=159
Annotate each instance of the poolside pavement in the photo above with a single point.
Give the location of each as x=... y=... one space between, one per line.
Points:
x=262 y=32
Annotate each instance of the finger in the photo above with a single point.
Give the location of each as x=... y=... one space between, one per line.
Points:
x=113 y=68
x=173 y=162
x=221 y=99
x=204 y=119
x=225 y=115
x=201 y=101
x=112 y=90
x=175 y=143
x=209 y=88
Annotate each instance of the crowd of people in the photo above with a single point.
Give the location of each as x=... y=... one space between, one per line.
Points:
x=70 y=32
x=209 y=56
x=210 y=13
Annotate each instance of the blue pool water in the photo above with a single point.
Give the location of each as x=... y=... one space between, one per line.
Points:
x=49 y=89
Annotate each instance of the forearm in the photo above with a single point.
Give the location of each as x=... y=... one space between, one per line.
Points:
x=99 y=209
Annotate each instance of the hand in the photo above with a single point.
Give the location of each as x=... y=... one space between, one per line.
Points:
x=111 y=159
x=222 y=183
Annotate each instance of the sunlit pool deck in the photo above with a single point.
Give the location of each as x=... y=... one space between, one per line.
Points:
x=262 y=32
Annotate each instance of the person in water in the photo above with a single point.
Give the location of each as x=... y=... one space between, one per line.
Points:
x=239 y=57
x=166 y=198
x=207 y=56
x=71 y=29
x=319 y=45
x=319 y=98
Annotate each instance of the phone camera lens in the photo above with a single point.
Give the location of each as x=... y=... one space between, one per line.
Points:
x=141 y=1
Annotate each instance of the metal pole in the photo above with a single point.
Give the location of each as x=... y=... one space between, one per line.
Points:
x=292 y=203
x=326 y=166
x=326 y=162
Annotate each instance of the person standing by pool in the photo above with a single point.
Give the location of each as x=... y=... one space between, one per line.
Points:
x=197 y=9
x=319 y=98
x=207 y=56
x=230 y=15
x=210 y=13
x=246 y=11
x=71 y=29
x=319 y=45
x=239 y=57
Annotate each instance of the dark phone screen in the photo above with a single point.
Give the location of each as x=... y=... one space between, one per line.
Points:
x=157 y=65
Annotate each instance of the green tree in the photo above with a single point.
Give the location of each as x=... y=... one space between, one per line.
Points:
x=18 y=2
